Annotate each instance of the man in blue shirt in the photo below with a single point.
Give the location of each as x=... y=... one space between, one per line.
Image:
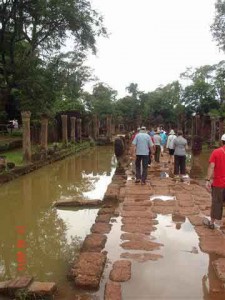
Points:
x=140 y=152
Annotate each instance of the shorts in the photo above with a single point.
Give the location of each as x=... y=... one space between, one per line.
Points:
x=171 y=151
x=218 y=196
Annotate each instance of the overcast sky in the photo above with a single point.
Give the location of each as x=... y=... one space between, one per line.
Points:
x=152 y=41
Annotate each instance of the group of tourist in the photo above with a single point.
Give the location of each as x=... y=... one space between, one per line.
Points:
x=146 y=144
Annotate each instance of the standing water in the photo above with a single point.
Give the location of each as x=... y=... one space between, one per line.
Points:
x=50 y=237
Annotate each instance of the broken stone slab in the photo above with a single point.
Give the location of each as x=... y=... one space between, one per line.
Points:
x=121 y=271
x=219 y=267
x=112 y=291
x=38 y=288
x=88 y=270
x=94 y=242
x=101 y=228
x=78 y=203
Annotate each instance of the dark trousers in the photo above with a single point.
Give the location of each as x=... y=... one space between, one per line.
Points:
x=179 y=164
x=157 y=152
x=217 y=202
x=144 y=160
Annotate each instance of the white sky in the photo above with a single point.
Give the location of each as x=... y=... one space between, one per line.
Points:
x=152 y=41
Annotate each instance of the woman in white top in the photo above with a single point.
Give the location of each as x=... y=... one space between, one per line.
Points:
x=170 y=145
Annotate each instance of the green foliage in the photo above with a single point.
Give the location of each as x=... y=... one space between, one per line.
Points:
x=218 y=27
x=32 y=32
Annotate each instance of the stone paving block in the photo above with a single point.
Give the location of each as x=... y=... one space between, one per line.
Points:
x=145 y=203
x=88 y=270
x=101 y=228
x=94 y=242
x=138 y=228
x=195 y=220
x=112 y=192
x=144 y=214
x=104 y=218
x=134 y=208
x=219 y=266
x=126 y=236
x=121 y=271
x=212 y=244
x=141 y=257
x=39 y=288
x=139 y=220
x=19 y=283
x=107 y=210
x=112 y=291
x=141 y=245
x=164 y=210
x=4 y=286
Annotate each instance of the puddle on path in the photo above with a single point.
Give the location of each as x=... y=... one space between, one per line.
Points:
x=183 y=273
x=162 y=197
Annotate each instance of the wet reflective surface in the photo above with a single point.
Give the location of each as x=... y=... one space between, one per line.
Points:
x=183 y=273
x=49 y=237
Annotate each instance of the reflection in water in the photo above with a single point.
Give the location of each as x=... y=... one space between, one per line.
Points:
x=51 y=241
x=181 y=272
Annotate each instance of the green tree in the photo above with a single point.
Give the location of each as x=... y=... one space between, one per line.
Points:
x=30 y=31
x=218 y=26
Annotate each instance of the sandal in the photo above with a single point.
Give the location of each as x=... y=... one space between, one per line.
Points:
x=208 y=223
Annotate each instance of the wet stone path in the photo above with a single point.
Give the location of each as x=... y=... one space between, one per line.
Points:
x=154 y=244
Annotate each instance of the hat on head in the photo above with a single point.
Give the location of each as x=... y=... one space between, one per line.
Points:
x=223 y=137
x=172 y=131
x=143 y=128
x=158 y=131
x=138 y=129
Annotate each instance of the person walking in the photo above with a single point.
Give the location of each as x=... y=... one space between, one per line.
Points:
x=180 y=147
x=157 y=141
x=140 y=153
x=163 y=140
x=170 y=145
x=215 y=183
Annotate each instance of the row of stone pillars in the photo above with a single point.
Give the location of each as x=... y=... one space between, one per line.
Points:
x=44 y=131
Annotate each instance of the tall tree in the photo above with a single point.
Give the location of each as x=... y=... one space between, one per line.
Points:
x=218 y=26
x=30 y=29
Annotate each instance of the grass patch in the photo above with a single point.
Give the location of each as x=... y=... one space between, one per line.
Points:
x=15 y=156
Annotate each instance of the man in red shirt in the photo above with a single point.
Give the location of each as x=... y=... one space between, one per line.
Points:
x=216 y=172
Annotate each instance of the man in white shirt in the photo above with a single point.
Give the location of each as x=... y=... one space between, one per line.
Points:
x=140 y=152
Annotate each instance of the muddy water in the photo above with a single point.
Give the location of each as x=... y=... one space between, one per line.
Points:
x=47 y=236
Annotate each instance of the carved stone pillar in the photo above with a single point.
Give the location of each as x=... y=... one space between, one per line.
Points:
x=72 y=133
x=197 y=125
x=44 y=133
x=64 y=129
x=213 y=130
x=108 y=126
x=95 y=127
x=79 y=129
x=26 y=136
